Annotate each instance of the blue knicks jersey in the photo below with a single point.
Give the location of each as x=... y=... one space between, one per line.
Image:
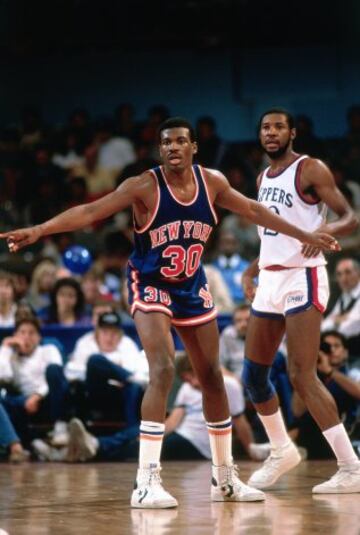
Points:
x=171 y=244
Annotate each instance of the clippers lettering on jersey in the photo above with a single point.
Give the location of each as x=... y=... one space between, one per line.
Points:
x=178 y=230
x=278 y=195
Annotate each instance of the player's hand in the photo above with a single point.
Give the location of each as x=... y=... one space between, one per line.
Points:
x=17 y=239
x=320 y=240
x=249 y=287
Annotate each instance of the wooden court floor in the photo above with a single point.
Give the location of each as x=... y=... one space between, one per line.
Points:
x=60 y=499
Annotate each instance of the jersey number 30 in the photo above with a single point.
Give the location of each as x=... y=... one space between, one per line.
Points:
x=183 y=262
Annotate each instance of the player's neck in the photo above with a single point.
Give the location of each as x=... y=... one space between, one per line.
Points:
x=179 y=176
x=284 y=160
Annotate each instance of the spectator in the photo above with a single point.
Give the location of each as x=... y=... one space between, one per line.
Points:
x=186 y=437
x=67 y=304
x=114 y=152
x=232 y=342
x=112 y=367
x=69 y=151
x=31 y=374
x=94 y=289
x=333 y=372
x=306 y=141
x=245 y=232
x=125 y=125
x=10 y=440
x=211 y=148
x=218 y=289
x=144 y=161
x=99 y=180
x=345 y=315
x=42 y=282
x=231 y=265
x=7 y=300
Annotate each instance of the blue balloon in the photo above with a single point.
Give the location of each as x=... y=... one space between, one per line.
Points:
x=77 y=259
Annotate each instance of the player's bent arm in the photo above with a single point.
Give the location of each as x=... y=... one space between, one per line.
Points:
x=174 y=419
x=317 y=175
x=132 y=190
x=227 y=197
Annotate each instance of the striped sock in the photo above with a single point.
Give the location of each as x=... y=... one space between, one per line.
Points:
x=220 y=442
x=151 y=437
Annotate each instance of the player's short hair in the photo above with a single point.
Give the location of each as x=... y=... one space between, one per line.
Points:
x=177 y=122
x=289 y=117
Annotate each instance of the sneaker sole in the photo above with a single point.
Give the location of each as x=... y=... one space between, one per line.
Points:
x=334 y=491
x=77 y=431
x=163 y=505
x=253 y=498
x=285 y=470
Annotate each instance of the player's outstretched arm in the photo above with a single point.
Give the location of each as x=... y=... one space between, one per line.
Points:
x=227 y=197
x=79 y=216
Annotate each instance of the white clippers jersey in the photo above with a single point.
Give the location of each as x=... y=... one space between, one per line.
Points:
x=281 y=193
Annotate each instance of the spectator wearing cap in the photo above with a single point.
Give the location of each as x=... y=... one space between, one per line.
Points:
x=112 y=367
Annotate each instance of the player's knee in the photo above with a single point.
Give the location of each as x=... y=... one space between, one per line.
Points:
x=210 y=377
x=162 y=372
x=301 y=379
x=256 y=380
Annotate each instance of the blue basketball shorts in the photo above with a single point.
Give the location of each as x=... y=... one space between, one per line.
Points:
x=187 y=302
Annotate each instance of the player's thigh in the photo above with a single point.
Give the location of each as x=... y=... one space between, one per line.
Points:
x=201 y=344
x=303 y=339
x=263 y=337
x=154 y=329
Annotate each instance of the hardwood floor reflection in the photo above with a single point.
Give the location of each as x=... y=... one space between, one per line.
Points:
x=59 y=499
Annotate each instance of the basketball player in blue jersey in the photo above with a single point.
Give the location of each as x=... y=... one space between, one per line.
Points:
x=174 y=215
x=292 y=294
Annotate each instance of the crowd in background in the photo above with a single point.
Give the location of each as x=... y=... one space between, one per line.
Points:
x=45 y=169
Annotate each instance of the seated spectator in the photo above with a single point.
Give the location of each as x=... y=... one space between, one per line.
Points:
x=99 y=180
x=345 y=315
x=186 y=435
x=7 y=300
x=230 y=264
x=232 y=342
x=246 y=233
x=342 y=383
x=94 y=289
x=68 y=153
x=218 y=289
x=67 y=305
x=31 y=376
x=10 y=440
x=112 y=367
x=211 y=148
x=42 y=282
x=114 y=152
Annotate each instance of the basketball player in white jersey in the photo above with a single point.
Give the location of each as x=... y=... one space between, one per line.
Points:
x=290 y=298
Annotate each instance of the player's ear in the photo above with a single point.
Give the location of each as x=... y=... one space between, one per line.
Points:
x=195 y=147
x=293 y=133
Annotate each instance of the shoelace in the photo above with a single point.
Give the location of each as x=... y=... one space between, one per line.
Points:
x=232 y=473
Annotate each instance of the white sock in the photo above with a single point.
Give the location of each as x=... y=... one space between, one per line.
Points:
x=151 y=438
x=340 y=444
x=221 y=442
x=275 y=429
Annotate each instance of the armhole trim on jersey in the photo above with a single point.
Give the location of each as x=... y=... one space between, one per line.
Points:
x=189 y=203
x=211 y=206
x=298 y=188
x=145 y=227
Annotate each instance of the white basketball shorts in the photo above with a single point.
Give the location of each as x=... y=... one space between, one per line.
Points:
x=289 y=291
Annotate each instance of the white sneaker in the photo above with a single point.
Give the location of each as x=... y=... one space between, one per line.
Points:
x=259 y=452
x=345 y=481
x=60 y=435
x=44 y=452
x=227 y=487
x=280 y=461
x=82 y=445
x=148 y=491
